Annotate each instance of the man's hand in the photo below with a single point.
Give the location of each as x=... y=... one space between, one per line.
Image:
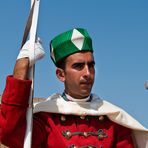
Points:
x=33 y=55
x=27 y=58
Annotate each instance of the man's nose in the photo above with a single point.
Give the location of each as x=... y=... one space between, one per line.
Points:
x=86 y=70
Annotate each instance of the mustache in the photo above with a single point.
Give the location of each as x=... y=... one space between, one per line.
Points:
x=86 y=81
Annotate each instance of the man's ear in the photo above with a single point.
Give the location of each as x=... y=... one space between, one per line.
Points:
x=60 y=74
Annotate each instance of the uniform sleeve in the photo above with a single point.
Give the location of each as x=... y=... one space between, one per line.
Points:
x=123 y=137
x=13 y=112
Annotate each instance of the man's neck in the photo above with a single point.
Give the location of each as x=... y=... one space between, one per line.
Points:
x=69 y=98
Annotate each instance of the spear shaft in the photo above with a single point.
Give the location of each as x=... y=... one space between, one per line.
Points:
x=32 y=37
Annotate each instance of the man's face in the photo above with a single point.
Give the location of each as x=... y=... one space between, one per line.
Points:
x=79 y=74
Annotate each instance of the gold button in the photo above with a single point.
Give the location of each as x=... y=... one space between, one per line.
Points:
x=63 y=118
x=85 y=134
x=100 y=137
x=69 y=134
x=82 y=117
x=101 y=118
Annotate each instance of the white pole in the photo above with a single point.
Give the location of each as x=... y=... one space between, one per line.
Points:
x=29 y=114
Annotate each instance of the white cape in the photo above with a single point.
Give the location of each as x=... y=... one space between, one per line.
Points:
x=56 y=104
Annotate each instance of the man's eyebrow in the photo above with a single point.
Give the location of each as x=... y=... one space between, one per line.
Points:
x=91 y=62
x=78 y=63
x=83 y=62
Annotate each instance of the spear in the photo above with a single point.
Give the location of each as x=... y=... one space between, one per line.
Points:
x=31 y=29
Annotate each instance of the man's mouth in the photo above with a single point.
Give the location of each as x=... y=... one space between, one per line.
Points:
x=86 y=83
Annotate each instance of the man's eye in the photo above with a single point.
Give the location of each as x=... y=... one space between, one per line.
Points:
x=78 y=66
x=91 y=65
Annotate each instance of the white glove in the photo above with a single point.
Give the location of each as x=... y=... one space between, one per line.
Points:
x=33 y=55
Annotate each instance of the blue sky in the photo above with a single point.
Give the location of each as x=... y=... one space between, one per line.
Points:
x=119 y=29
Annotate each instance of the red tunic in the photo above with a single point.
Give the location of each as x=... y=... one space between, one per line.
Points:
x=55 y=130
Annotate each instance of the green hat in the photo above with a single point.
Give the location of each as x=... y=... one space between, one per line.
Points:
x=70 y=42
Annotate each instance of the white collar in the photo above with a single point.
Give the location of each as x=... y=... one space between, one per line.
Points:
x=77 y=100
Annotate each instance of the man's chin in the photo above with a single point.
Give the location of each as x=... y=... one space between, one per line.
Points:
x=85 y=93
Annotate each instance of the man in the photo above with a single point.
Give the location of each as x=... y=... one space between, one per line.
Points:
x=75 y=119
